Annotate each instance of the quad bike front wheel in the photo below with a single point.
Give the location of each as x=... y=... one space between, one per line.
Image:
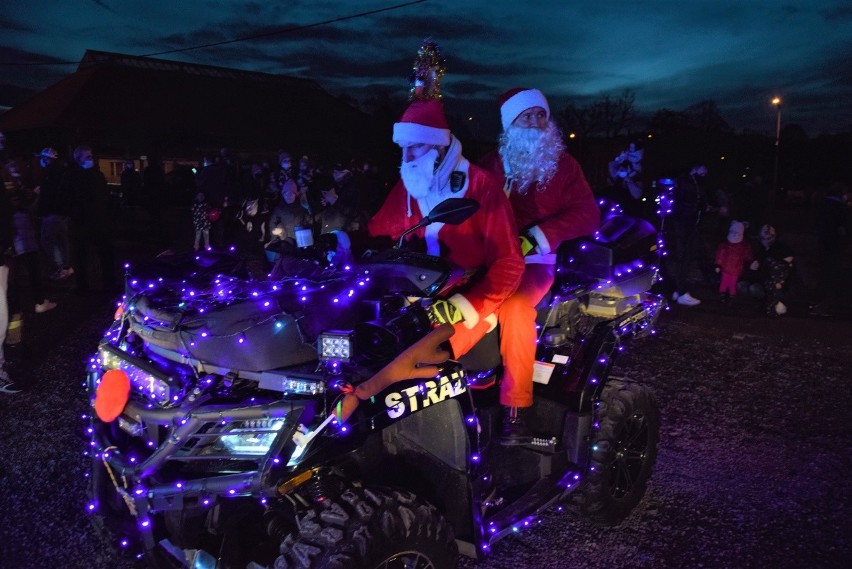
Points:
x=370 y=528
x=623 y=452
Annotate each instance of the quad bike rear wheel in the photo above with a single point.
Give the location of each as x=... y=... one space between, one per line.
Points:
x=370 y=528
x=623 y=452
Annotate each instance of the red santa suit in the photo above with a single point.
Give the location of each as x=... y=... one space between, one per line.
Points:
x=487 y=241
x=562 y=209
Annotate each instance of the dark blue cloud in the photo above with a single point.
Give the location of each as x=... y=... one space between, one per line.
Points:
x=671 y=54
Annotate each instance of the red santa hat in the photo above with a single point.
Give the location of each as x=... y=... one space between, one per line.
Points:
x=422 y=122
x=515 y=101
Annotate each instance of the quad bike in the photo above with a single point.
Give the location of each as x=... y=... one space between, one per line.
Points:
x=314 y=421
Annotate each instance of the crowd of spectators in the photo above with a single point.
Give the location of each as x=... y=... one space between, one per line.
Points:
x=60 y=209
x=57 y=210
x=723 y=236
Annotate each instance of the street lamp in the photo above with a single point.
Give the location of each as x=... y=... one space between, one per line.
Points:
x=777 y=102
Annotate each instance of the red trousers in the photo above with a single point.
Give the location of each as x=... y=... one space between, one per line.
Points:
x=728 y=283
x=516 y=317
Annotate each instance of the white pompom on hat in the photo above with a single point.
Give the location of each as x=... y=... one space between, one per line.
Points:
x=515 y=101
x=423 y=122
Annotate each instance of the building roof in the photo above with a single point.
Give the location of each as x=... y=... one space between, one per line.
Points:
x=137 y=103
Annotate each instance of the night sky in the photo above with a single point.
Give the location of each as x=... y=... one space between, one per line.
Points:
x=671 y=54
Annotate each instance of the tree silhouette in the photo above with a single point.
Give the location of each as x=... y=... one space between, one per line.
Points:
x=705 y=116
x=606 y=117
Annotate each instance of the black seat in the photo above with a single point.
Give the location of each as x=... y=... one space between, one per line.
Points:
x=622 y=240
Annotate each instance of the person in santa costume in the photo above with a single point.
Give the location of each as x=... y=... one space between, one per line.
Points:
x=552 y=202
x=433 y=169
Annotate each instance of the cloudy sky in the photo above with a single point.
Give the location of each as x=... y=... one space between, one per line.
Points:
x=671 y=54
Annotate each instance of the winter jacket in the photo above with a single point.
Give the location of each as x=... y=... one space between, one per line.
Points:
x=732 y=257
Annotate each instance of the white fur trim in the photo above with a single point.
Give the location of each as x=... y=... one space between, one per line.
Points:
x=433 y=246
x=543 y=244
x=342 y=239
x=426 y=203
x=492 y=321
x=471 y=316
x=549 y=259
x=409 y=132
x=519 y=102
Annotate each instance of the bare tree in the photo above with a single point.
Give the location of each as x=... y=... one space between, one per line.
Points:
x=667 y=121
x=705 y=116
x=605 y=117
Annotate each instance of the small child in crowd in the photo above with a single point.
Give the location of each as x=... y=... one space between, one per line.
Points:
x=201 y=220
x=731 y=258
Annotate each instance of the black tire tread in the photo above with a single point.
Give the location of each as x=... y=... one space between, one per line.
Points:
x=366 y=524
x=620 y=399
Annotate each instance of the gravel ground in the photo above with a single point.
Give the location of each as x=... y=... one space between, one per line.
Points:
x=752 y=469
x=753 y=461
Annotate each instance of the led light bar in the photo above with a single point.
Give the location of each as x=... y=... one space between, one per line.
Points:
x=290 y=384
x=144 y=378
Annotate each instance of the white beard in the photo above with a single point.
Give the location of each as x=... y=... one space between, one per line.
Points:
x=419 y=174
x=531 y=155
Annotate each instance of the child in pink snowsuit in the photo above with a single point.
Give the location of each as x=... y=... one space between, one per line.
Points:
x=731 y=258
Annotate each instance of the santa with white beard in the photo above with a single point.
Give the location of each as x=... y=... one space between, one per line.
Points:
x=432 y=170
x=552 y=203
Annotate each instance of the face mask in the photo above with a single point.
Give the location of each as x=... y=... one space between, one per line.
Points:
x=418 y=174
x=285 y=165
x=87 y=164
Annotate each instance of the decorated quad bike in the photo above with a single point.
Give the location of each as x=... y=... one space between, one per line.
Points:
x=314 y=421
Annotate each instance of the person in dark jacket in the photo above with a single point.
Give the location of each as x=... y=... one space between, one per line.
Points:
x=53 y=209
x=832 y=231
x=335 y=213
x=6 y=384
x=768 y=276
x=91 y=222
x=26 y=247
x=286 y=218
x=690 y=202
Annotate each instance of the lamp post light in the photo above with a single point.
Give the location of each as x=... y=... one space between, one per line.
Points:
x=776 y=101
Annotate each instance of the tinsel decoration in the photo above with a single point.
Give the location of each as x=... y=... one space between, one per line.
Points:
x=426 y=72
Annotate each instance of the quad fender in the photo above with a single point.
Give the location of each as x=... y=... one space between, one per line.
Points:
x=420 y=360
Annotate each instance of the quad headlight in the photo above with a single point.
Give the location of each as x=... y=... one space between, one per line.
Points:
x=336 y=345
x=252 y=437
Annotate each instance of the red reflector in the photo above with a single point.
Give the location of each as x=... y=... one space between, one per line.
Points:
x=111 y=395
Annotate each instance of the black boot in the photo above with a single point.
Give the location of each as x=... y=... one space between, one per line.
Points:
x=514 y=427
